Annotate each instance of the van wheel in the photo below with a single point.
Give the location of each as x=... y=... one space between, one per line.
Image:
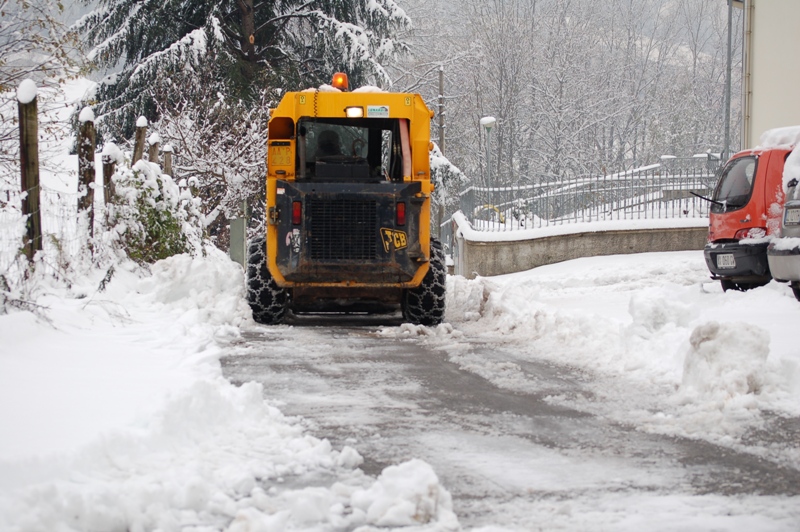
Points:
x=796 y=289
x=267 y=300
x=424 y=305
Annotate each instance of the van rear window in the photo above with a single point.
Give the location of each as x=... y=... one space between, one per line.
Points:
x=735 y=185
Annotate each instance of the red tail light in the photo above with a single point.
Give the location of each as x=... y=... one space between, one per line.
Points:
x=401 y=214
x=297 y=212
x=752 y=232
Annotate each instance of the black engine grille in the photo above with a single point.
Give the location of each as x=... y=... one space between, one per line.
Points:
x=343 y=229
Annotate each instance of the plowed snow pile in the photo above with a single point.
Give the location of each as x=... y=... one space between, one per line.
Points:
x=115 y=417
x=662 y=341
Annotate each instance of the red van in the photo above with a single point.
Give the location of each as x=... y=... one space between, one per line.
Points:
x=746 y=209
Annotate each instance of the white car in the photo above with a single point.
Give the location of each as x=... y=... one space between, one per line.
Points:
x=783 y=252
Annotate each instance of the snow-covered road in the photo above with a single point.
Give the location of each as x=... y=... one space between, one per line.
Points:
x=510 y=455
x=621 y=393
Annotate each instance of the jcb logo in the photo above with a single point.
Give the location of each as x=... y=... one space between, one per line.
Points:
x=393 y=239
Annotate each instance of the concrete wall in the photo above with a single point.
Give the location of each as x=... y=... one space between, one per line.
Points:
x=497 y=258
x=774 y=68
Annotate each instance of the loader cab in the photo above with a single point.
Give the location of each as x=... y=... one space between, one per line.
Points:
x=351 y=150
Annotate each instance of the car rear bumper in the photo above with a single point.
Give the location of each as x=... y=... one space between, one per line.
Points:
x=737 y=262
x=784 y=261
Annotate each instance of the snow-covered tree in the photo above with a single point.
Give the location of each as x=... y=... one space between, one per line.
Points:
x=219 y=148
x=205 y=72
x=238 y=46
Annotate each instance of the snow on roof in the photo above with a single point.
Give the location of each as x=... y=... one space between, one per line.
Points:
x=142 y=122
x=27 y=91
x=778 y=137
x=87 y=115
x=323 y=88
x=369 y=88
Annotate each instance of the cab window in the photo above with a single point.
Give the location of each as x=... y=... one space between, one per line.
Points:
x=349 y=149
x=735 y=185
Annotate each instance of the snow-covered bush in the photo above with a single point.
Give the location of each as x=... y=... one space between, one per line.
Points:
x=151 y=217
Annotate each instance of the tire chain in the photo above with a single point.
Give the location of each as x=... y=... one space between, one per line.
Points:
x=425 y=305
x=267 y=300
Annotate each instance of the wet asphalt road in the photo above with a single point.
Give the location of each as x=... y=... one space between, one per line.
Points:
x=500 y=453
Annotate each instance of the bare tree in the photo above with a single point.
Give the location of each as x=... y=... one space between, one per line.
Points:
x=33 y=44
x=577 y=86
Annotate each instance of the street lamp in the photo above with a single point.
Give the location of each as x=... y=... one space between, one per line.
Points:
x=488 y=122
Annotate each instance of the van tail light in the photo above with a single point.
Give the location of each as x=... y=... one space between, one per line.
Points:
x=401 y=213
x=752 y=232
x=297 y=212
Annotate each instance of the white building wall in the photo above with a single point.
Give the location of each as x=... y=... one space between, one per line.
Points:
x=774 y=67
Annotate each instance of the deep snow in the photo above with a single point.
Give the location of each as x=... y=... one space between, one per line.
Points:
x=115 y=415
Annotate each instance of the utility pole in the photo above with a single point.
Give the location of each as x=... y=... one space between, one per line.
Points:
x=440 y=210
x=727 y=136
x=441 y=108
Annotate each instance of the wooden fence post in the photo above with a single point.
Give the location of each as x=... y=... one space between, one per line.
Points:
x=168 y=160
x=138 y=145
x=86 y=171
x=109 y=167
x=29 y=166
x=154 y=140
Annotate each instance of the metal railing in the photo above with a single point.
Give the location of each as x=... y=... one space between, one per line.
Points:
x=655 y=191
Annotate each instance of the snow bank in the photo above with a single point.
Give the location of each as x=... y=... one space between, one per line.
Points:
x=128 y=425
x=406 y=495
x=664 y=345
x=727 y=359
x=206 y=455
x=209 y=292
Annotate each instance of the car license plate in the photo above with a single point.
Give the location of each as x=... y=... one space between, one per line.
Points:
x=792 y=217
x=725 y=261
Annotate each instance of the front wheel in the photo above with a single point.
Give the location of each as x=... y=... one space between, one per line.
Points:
x=267 y=300
x=424 y=305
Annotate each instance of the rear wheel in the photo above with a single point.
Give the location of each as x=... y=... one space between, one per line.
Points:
x=424 y=305
x=796 y=289
x=267 y=300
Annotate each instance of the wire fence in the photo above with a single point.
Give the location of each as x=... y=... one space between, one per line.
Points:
x=655 y=191
x=61 y=235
